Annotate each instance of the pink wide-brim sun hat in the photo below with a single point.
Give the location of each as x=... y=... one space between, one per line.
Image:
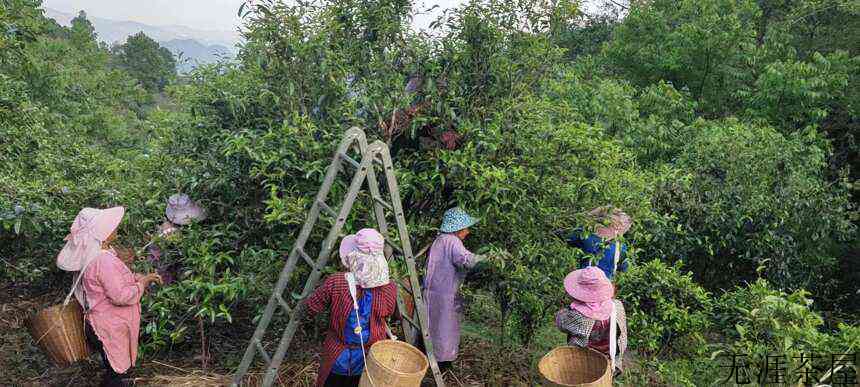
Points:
x=367 y=240
x=107 y=221
x=589 y=285
x=91 y=227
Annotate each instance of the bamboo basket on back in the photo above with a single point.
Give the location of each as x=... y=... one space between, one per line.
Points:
x=573 y=366
x=59 y=332
x=392 y=363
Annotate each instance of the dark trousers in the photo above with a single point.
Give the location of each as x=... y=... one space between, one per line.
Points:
x=111 y=378
x=335 y=380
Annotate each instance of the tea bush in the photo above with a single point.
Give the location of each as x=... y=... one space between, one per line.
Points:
x=760 y=322
x=66 y=140
x=667 y=312
x=751 y=196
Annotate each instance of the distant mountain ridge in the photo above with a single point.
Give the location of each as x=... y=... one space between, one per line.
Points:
x=196 y=46
x=190 y=52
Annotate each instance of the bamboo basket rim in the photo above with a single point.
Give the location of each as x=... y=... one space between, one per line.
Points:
x=397 y=343
x=543 y=364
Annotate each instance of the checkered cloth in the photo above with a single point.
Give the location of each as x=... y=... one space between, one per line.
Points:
x=584 y=332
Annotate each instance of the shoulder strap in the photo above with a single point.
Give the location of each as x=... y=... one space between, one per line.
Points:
x=617 y=257
x=612 y=341
x=76 y=284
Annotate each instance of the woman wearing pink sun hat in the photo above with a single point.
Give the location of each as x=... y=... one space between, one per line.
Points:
x=107 y=289
x=594 y=319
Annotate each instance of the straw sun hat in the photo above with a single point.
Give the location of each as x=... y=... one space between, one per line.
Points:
x=182 y=210
x=614 y=222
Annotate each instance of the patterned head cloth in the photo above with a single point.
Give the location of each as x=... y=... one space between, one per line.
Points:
x=362 y=254
x=456 y=219
x=182 y=210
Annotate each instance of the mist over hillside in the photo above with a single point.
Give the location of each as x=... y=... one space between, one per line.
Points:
x=190 y=52
x=191 y=46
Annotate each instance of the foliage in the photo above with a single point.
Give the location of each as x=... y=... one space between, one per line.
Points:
x=82 y=34
x=760 y=322
x=725 y=133
x=667 y=313
x=694 y=45
x=751 y=196
x=145 y=60
x=64 y=139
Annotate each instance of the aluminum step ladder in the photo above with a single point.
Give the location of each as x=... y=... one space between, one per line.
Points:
x=375 y=155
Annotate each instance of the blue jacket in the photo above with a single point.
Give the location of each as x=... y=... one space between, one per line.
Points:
x=594 y=245
x=351 y=360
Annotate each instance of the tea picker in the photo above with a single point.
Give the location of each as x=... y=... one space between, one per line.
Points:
x=359 y=302
x=447 y=263
x=108 y=291
x=609 y=253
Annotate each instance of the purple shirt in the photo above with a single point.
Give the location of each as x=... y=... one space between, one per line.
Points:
x=446 y=268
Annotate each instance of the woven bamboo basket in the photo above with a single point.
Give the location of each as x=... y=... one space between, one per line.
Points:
x=392 y=363
x=59 y=332
x=573 y=366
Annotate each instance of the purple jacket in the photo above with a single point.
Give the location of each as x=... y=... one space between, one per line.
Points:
x=447 y=263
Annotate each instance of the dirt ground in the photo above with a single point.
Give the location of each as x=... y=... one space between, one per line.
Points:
x=24 y=364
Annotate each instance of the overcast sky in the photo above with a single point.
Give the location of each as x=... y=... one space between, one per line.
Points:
x=198 y=14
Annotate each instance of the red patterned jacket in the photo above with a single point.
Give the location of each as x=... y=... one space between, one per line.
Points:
x=333 y=295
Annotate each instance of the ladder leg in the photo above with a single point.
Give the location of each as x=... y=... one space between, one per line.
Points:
x=373 y=186
x=350 y=137
x=346 y=206
x=421 y=309
x=379 y=212
x=264 y=321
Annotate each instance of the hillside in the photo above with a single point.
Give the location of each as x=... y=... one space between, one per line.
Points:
x=196 y=46
x=189 y=53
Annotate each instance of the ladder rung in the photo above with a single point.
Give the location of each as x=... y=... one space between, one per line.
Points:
x=348 y=159
x=306 y=257
x=327 y=209
x=284 y=304
x=383 y=203
x=262 y=352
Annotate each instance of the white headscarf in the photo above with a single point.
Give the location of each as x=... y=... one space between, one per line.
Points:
x=370 y=269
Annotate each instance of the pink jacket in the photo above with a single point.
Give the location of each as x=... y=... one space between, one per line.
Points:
x=113 y=296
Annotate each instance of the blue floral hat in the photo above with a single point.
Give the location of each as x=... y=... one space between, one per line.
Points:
x=456 y=219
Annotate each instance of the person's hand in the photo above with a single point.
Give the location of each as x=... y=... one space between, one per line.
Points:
x=125 y=255
x=149 y=279
x=480 y=262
